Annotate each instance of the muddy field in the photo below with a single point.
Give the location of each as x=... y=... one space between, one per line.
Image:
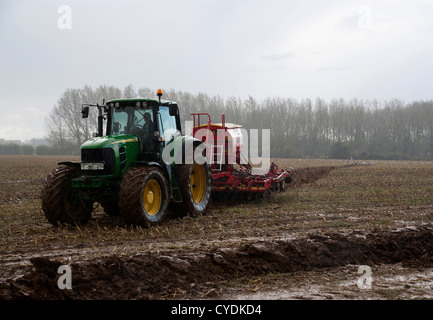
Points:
x=342 y=230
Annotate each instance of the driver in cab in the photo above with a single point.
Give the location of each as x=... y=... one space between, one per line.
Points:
x=146 y=133
x=148 y=128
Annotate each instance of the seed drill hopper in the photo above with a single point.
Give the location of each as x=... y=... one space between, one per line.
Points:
x=232 y=173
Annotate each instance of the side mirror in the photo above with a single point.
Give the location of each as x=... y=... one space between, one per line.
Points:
x=85 y=112
x=173 y=110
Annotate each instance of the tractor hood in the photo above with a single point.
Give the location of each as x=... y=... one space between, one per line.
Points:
x=115 y=151
x=108 y=141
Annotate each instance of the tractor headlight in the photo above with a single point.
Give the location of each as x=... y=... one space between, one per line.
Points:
x=92 y=166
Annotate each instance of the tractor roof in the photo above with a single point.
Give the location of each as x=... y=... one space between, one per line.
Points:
x=163 y=102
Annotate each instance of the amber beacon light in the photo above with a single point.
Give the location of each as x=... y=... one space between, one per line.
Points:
x=159 y=94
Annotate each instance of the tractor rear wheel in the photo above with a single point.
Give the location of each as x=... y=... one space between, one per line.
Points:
x=143 y=196
x=195 y=187
x=60 y=202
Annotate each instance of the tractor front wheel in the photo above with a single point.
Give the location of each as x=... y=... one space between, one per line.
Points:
x=60 y=202
x=143 y=196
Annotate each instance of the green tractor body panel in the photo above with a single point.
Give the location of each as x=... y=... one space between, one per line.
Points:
x=118 y=151
x=173 y=151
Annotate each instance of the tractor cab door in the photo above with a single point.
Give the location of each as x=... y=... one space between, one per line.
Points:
x=168 y=124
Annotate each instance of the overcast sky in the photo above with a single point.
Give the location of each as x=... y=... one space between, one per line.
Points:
x=300 y=49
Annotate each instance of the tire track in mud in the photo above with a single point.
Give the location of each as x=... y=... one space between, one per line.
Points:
x=311 y=174
x=192 y=274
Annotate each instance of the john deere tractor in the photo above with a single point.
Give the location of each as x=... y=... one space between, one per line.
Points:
x=125 y=170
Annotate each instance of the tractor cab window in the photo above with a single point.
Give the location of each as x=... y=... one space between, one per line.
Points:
x=137 y=121
x=142 y=124
x=120 y=121
x=167 y=124
x=132 y=120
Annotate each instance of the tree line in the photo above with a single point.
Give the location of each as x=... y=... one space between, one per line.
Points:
x=26 y=149
x=358 y=129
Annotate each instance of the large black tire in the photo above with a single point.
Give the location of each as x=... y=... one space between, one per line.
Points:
x=62 y=204
x=143 y=196
x=195 y=183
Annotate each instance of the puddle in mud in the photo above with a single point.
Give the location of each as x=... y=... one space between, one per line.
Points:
x=389 y=282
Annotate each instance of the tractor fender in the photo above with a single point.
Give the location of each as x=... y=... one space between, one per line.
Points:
x=187 y=154
x=166 y=169
x=180 y=150
x=150 y=164
x=69 y=163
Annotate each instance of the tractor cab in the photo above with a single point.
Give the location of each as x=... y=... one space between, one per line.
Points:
x=154 y=123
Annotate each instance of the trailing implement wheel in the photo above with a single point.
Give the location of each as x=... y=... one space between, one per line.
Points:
x=195 y=188
x=60 y=202
x=143 y=196
x=283 y=185
x=266 y=194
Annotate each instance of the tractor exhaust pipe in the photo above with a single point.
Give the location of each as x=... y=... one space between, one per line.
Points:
x=100 y=121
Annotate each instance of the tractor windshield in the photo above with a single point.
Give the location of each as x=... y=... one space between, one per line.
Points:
x=138 y=122
x=133 y=120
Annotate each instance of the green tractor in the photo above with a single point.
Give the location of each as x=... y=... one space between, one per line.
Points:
x=136 y=170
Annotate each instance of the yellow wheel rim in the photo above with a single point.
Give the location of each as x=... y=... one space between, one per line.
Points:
x=198 y=183
x=152 y=197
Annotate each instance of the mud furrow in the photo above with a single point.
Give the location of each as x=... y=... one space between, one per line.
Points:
x=164 y=275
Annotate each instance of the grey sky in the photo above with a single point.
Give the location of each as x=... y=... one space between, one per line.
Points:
x=301 y=49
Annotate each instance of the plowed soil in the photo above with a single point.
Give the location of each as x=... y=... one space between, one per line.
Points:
x=305 y=243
